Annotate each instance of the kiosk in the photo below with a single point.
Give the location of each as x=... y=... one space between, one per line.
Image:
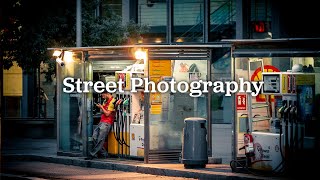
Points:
x=148 y=126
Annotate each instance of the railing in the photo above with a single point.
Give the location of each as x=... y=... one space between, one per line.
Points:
x=218 y=18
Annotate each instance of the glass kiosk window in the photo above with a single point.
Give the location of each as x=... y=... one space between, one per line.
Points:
x=167 y=113
x=291 y=79
x=70 y=108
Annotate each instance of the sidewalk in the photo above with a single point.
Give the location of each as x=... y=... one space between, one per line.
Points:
x=44 y=150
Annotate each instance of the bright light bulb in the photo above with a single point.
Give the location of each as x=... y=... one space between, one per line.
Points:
x=180 y=40
x=67 y=56
x=158 y=40
x=57 y=53
x=139 y=54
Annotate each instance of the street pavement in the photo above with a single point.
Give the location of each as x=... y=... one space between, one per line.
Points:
x=45 y=150
x=43 y=170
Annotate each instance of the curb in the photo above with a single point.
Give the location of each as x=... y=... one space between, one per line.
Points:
x=13 y=176
x=75 y=161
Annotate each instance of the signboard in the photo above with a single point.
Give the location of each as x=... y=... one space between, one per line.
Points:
x=241 y=102
x=272 y=83
x=257 y=76
x=158 y=69
x=12 y=81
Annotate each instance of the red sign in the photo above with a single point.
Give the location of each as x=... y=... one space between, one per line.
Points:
x=259 y=26
x=241 y=101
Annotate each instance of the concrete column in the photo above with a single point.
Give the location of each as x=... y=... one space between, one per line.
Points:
x=206 y=19
x=243 y=19
x=276 y=20
x=25 y=95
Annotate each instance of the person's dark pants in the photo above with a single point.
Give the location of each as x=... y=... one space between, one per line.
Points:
x=99 y=135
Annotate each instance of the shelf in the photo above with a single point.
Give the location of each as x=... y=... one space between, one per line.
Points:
x=262 y=130
x=260 y=118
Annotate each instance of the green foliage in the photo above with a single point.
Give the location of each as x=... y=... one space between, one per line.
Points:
x=107 y=29
x=103 y=31
x=30 y=27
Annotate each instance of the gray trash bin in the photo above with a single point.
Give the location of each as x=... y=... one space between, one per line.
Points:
x=194 y=145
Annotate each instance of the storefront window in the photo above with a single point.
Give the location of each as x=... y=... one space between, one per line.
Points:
x=29 y=93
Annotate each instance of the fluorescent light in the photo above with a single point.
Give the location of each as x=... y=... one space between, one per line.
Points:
x=57 y=53
x=114 y=67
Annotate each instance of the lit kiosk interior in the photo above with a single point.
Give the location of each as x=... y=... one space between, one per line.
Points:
x=277 y=132
x=148 y=126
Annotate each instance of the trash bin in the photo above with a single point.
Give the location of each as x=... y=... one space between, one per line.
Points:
x=194 y=145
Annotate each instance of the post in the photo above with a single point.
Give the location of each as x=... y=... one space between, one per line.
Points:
x=169 y=20
x=1 y=94
x=78 y=24
x=234 y=112
x=146 y=113
x=206 y=21
x=209 y=125
x=243 y=18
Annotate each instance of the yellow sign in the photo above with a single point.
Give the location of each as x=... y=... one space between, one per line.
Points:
x=155 y=109
x=12 y=81
x=305 y=79
x=158 y=69
x=284 y=81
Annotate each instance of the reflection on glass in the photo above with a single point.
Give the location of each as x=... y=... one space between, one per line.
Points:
x=221 y=71
x=166 y=127
x=304 y=65
x=222 y=20
x=154 y=15
x=188 y=21
x=112 y=5
x=70 y=111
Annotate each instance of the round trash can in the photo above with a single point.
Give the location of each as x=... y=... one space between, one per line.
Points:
x=194 y=145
